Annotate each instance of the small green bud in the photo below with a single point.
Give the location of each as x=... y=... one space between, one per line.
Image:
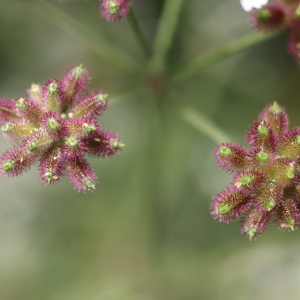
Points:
x=263 y=130
x=101 y=98
x=290 y=171
x=251 y=232
x=78 y=71
x=72 y=142
x=263 y=14
x=275 y=108
x=270 y=204
x=8 y=165
x=32 y=146
x=224 y=209
x=21 y=104
x=53 y=124
x=52 y=88
x=89 y=183
x=225 y=151
x=7 y=127
x=263 y=156
x=116 y=144
x=298 y=139
x=88 y=128
x=113 y=7
x=245 y=180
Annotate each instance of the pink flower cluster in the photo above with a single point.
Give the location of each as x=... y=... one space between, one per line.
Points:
x=281 y=14
x=58 y=126
x=113 y=10
x=266 y=181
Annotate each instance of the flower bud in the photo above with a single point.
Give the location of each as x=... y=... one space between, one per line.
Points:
x=269 y=197
x=250 y=180
x=102 y=143
x=51 y=165
x=54 y=125
x=39 y=141
x=284 y=172
x=73 y=85
x=81 y=127
x=228 y=204
x=16 y=161
x=268 y=18
x=18 y=130
x=254 y=222
x=261 y=136
x=81 y=175
x=29 y=110
x=8 y=111
x=231 y=157
x=115 y=10
x=276 y=118
x=91 y=106
x=52 y=96
x=290 y=144
x=288 y=215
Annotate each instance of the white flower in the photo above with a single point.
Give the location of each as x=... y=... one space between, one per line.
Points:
x=249 y=4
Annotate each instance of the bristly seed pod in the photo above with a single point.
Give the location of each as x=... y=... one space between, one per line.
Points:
x=58 y=126
x=115 y=10
x=267 y=186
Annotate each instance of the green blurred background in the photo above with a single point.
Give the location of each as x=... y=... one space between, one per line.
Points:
x=146 y=233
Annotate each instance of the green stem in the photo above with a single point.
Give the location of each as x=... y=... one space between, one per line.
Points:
x=211 y=58
x=137 y=33
x=165 y=33
x=106 y=50
x=204 y=125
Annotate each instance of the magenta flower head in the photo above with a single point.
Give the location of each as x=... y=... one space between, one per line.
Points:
x=269 y=18
x=115 y=10
x=266 y=176
x=276 y=16
x=57 y=126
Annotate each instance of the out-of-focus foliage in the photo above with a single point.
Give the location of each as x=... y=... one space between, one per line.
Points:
x=146 y=233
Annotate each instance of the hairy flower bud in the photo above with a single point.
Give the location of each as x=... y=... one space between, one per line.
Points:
x=52 y=96
x=231 y=157
x=268 y=18
x=91 y=106
x=261 y=136
x=228 y=204
x=115 y=10
x=254 y=222
x=269 y=180
x=57 y=125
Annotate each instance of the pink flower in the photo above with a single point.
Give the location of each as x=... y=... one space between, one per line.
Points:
x=57 y=125
x=266 y=181
x=115 y=10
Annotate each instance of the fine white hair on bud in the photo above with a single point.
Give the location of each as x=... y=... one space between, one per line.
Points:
x=248 y=5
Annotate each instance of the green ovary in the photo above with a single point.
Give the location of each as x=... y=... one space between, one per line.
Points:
x=245 y=180
x=270 y=204
x=224 y=209
x=263 y=130
x=8 y=165
x=225 y=152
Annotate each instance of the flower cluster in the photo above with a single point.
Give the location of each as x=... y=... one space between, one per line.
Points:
x=273 y=17
x=266 y=181
x=57 y=125
x=113 y=10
